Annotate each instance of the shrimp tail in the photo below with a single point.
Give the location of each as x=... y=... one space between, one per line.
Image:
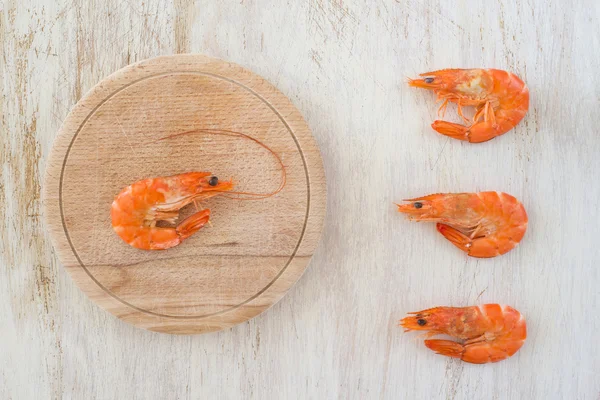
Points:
x=193 y=223
x=483 y=247
x=446 y=348
x=456 y=131
x=457 y=238
x=476 y=133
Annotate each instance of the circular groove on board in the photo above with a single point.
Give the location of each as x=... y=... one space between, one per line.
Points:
x=212 y=317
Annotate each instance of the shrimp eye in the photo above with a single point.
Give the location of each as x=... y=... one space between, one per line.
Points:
x=418 y=204
x=428 y=80
x=213 y=181
x=421 y=321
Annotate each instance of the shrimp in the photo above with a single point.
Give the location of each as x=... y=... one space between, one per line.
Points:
x=500 y=98
x=136 y=210
x=138 y=207
x=484 y=224
x=490 y=332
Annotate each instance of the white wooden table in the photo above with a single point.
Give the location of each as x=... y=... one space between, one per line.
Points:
x=344 y=65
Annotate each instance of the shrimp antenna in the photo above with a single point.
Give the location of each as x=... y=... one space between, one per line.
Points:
x=224 y=132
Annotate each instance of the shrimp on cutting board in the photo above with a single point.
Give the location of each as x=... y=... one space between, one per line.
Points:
x=484 y=224
x=500 y=98
x=489 y=332
x=138 y=207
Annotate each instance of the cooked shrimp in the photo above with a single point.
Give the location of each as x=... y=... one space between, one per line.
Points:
x=484 y=224
x=136 y=210
x=500 y=98
x=491 y=332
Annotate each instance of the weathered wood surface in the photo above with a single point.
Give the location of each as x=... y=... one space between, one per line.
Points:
x=344 y=65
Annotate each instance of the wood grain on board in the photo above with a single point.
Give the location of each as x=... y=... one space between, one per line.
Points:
x=162 y=117
x=343 y=64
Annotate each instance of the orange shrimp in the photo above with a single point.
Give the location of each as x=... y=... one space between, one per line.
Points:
x=136 y=210
x=500 y=98
x=491 y=332
x=484 y=224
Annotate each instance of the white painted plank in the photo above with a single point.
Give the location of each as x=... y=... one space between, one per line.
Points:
x=344 y=65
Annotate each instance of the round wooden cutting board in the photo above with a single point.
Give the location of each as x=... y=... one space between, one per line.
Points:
x=254 y=251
